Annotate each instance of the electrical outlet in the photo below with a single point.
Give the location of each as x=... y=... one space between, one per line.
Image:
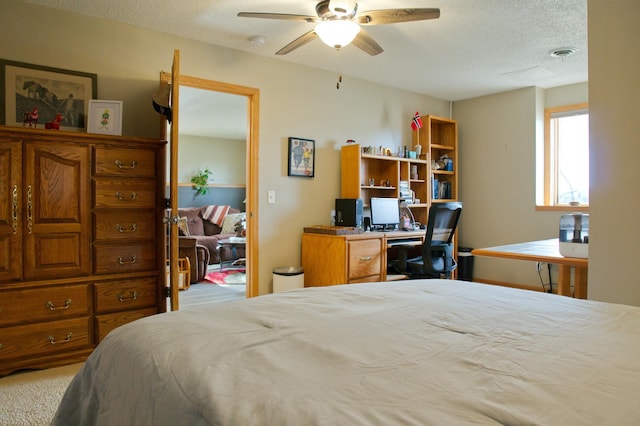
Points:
x=271 y=197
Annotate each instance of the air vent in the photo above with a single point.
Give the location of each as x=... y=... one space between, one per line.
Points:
x=562 y=52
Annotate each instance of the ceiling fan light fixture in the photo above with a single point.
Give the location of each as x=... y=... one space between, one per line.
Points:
x=337 y=32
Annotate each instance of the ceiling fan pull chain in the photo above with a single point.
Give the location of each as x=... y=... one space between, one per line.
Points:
x=339 y=74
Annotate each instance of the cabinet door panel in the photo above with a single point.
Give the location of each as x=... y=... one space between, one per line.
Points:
x=56 y=210
x=10 y=210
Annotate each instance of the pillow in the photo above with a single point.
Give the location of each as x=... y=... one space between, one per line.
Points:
x=230 y=220
x=183 y=226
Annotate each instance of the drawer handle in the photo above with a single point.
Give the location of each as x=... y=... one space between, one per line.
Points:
x=121 y=229
x=29 y=209
x=134 y=296
x=52 y=307
x=121 y=261
x=123 y=167
x=14 y=208
x=120 y=197
x=365 y=258
x=67 y=339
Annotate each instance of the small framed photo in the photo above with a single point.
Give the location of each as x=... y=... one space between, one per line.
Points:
x=34 y=95
x=105 y=117
x=302 y=156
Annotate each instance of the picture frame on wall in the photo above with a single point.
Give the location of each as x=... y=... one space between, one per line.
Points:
x=105 y=117
x=32 y=95
x=302 y=156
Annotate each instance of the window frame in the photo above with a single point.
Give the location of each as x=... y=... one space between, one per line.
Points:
x=550 y=161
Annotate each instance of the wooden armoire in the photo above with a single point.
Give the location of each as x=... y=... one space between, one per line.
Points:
x=81 y=241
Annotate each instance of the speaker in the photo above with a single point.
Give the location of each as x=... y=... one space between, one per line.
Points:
x=349 y=212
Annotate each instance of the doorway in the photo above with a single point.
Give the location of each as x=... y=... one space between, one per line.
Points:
x=251 y=161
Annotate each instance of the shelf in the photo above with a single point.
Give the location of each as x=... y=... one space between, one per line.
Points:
x=438 y=146
x=443 y=172
x=378 y=187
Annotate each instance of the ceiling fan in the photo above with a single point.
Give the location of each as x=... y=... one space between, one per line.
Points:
x=338 y=24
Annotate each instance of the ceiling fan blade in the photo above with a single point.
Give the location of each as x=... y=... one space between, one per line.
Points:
x=366 y=43
x=284 y=16
x=394 y=16
x=300 y=41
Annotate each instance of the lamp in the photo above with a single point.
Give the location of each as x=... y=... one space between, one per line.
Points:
x=337 y=32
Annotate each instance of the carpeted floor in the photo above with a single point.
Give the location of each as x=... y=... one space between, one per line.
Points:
x=31 y=398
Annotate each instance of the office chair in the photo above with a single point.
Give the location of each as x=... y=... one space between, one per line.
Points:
x=437 y=259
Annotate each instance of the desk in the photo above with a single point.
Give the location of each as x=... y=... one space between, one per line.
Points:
x=546 y=251
x=348 y=259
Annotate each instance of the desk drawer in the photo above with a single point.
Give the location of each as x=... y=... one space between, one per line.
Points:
x=365 y=258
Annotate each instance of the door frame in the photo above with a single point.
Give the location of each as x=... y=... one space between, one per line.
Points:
x=252 y=150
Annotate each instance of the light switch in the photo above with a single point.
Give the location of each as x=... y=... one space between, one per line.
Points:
x=271 y=197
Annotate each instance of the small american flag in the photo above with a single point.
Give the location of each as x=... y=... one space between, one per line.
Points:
x=416 y=123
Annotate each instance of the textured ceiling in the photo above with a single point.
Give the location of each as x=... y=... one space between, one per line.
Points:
x=476 y=47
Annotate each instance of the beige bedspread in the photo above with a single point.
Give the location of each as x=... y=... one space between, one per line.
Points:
x=432 y=352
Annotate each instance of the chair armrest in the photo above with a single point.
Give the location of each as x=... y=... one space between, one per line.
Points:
x=187 y=242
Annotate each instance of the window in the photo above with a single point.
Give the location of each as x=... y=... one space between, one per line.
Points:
x=566 y=156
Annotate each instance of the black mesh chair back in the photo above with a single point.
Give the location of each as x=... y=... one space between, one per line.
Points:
x=437 y=258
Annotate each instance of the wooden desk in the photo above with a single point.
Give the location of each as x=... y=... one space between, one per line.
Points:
x=546 y=251
x=349 y=259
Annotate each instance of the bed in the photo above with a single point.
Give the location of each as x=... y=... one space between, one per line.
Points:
x=423 y=352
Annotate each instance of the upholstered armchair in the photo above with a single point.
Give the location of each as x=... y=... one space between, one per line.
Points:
x=198 y=257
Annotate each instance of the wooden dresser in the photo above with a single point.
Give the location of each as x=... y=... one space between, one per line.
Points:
x=81 y=241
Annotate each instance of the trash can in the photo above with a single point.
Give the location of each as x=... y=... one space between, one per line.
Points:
x=287 y=278
x=465 y=264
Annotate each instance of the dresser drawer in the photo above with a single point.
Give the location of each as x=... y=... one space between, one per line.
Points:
x=124 y=194
x=107 y=322
x=125 y=294
x=125 y=162
x=364 y=258
x=124 y=225
x=43 y=303
x=44 y=338
x=117 y=259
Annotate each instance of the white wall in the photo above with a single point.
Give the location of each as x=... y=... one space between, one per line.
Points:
x=614 y=67
x=295 y=101
x=224 y=157
x=497 y=138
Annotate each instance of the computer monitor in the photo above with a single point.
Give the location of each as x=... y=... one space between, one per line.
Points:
x=385 y=213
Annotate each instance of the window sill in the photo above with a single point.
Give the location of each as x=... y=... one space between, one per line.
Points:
x=563 y=208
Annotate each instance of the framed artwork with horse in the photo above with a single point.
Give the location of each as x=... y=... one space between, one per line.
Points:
x=42 y=97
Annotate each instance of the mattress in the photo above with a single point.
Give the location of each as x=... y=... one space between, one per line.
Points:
x=422 y=352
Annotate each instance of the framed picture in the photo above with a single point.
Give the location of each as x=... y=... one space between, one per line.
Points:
x=105 y=117
x=32 y=95
x=302 y=156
